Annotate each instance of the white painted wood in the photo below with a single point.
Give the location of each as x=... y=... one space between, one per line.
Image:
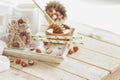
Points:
x=89 y=30
x=2 y=46
x=82 y=69
x=4 y=63
x=102 y=61
x=101 y=47
x=13 y=74
x=55 y=57
x=95 y=60
x=47 y=72
x=114 y=76
x=35 y=56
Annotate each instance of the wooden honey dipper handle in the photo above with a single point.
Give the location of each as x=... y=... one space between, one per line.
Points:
x=51 y=20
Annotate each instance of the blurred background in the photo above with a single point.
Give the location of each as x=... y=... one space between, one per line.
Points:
x=104 y=14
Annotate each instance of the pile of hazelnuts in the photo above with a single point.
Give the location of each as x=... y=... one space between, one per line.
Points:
x=56 y=11
x=55 y=14
x=22 y=62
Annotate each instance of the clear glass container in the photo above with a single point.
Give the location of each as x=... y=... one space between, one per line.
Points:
x=19 y=33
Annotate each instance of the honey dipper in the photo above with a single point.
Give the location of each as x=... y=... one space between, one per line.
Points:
x=49 y=18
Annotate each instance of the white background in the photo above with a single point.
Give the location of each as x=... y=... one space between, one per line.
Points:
x=104 y=14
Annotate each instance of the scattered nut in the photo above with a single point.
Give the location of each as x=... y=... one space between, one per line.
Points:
x=11 y=60
x=59 y=48
x=70 y=51
x=24 y=64
x=32 y=49
x=38 y=50
x=47 y=48
x=45 y=43
x=48 y=51
x=59 y=54
x=30 y=62
x=17 y=60
x=75 y=48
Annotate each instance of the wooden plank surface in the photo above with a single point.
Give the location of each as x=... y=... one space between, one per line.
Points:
x=14 y=74
x=47 y=72
x=96 y=60
x=82 y=69
x=96 y=33
x=101 y=61
x=114 y=76
x=101 y=47
x=87 y=64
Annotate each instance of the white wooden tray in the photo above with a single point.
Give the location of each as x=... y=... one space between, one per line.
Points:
x=59 y=51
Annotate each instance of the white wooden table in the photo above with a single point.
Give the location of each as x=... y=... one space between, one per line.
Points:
x=97 y=59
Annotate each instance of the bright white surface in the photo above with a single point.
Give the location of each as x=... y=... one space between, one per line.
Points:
x=98 y=13
x=2 y=46
x=4 y=63
x=30 y=12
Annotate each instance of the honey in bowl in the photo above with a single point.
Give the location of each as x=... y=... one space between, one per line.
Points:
x=61 y=32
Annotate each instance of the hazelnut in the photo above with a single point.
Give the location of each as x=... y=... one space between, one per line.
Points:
x=54 y=17
x=52 y=10
x=70 y=51
x=21 y=21
x=45 y=43
x=59 y=48
x=75 y=48
x=30 y=62
x=17 y=60
x=11 y=60
x=50 y=14
x=58 y=13
x=48 y=51
x=59 y=17
x=23 y=64
x=32 y=49
x=38 y=51
x=13 y=22
x=15 y=44
x=47 y=48
x=66 y=26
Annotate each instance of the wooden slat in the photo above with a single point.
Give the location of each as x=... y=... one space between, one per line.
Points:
x=32 y=55
x=82 y=69
x=103 y=35
x=101 y=47
x=114 y=76
x=13 y=74
x=40 y=69
x=105 y=62
x=108 y=37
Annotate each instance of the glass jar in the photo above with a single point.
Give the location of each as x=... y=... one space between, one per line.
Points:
x=19 y=33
